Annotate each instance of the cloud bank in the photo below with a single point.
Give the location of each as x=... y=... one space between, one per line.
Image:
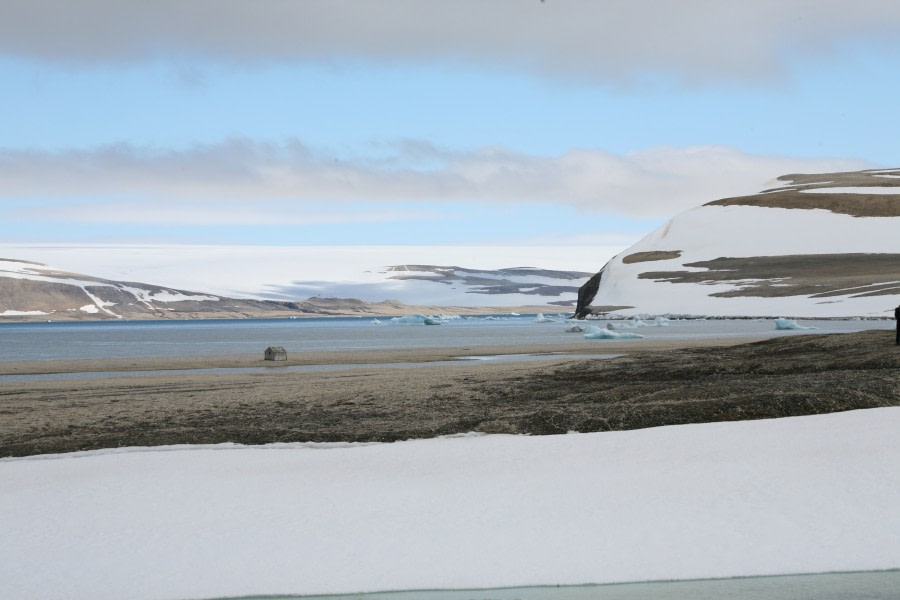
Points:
x=245 y=182
x=692 y=39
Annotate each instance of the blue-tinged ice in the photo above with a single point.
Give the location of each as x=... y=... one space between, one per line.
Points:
x=542 y=319
x=416 y=319
x=789 y=324
x=596 y=333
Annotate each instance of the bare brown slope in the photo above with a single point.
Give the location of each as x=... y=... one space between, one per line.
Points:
x=816 y=275
x=857 y=205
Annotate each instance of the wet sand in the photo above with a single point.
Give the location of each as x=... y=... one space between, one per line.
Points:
x=658 y=383
x=351 y=357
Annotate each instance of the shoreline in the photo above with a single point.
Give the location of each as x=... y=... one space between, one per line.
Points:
x=356 y=357
x=677 y=382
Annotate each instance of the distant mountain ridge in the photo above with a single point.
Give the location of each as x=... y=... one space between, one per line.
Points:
x=819 y=245
x=32 y=291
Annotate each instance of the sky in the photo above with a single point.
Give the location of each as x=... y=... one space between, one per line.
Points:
x=401 y=122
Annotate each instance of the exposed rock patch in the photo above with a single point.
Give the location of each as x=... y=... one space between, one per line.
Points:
x=857 y=205
x=651 y=256
x=586 y=294
x=817 y=275
x=519 y=280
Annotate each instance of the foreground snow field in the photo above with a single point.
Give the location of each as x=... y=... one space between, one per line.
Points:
x=797 y=495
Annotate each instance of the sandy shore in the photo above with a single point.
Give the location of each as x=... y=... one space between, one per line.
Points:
x=663 y=383
x=353 y=357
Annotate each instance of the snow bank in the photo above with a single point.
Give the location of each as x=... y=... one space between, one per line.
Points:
x=799 y=495
x=853 y=190
x=22 y=313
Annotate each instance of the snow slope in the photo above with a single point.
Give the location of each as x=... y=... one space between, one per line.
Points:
x=796 y=495
x=817 y=248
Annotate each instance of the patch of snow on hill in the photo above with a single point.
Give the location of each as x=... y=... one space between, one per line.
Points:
x=148 y=296
x=853 y=190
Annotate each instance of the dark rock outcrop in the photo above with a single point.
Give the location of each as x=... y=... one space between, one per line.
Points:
x=586 y=294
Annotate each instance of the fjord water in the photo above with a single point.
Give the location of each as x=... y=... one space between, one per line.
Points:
x=871 y=585
x=134 y=339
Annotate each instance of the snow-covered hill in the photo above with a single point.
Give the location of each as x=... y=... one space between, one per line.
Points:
x=814 y=246
x=35 y=291
x=30 y=290
x=413 y=275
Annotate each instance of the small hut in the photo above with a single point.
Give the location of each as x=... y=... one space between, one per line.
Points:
x=276 y=353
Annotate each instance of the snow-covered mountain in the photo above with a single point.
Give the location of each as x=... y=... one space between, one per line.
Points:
x=31 y=291
x=412 y=275
x=823 y=245
x=35 y=290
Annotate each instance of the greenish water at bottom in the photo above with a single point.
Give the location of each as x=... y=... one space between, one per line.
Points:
x=868 y=585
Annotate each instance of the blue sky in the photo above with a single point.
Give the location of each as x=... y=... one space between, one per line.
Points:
x=401 y=122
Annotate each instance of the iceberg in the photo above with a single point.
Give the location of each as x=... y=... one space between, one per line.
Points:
x=575 y=329
x=637 y=322
x=789 y=324
x=596 y=333
x=542 y=319
x=415 y=319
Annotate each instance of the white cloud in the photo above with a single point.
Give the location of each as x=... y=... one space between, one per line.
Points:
x=241 y=181
x=693 y=39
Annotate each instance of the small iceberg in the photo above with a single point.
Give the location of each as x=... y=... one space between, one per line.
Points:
x=514 y=314
x=416 y=319
x=789 y=324
x=596 y=333
x=375 y=322
x=542 y=319
x=575 y=329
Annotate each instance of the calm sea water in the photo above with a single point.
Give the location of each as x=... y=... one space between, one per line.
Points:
x=872 y=585
x=131 y=339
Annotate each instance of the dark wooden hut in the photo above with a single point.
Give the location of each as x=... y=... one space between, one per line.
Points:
x=276 y=353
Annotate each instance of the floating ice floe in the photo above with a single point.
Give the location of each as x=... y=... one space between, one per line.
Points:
x=596 y=333
x=790 y=324
x=542 y=319
x=416 y=319
x=575 y=329
x=375 y=322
